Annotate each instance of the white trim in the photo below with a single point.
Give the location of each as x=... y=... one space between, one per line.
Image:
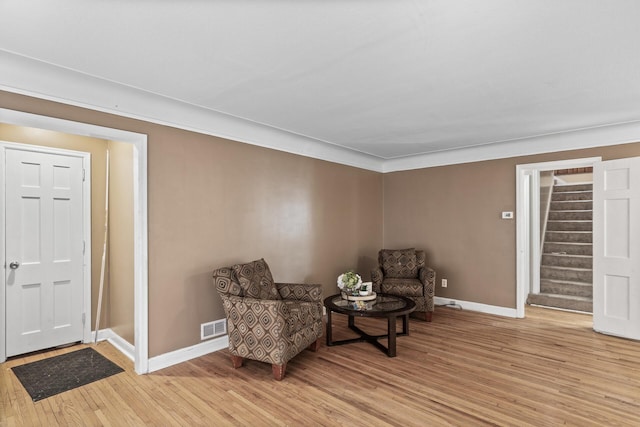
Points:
x=141 y=250
x=600 y=136
x=141 y=257
x=124 y=346
x=86 y=231
x=103 y=335
x=526 y=259
x=536 y=251
x=28 y=76
x=182 y=355
x=476 y=306
x=115 y=340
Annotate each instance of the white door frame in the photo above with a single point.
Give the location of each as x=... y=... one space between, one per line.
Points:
x=528 y=222
x=140 y=228
x=86 y=231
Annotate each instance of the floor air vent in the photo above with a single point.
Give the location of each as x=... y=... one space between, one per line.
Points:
x=213 y=329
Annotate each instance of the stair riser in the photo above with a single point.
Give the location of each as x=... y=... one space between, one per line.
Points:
x=570 y=215
x=568 y=248
x=569 y=226
x=566 y=289
x=567 y=261
x=585 y=276
x=576 y=187
x=586 y=306
x=568 y=237
x=571 y=206
x=580 y=195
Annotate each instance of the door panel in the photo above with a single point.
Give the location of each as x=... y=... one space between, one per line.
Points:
x=616 y=234
x=44 y=234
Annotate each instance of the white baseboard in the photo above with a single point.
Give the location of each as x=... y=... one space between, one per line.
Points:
x=122 y=345
x=103 y=335
x=167 y=359
x=476 y=306
x=188 y=353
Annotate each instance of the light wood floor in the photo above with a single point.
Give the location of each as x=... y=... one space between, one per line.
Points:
x=464 y=368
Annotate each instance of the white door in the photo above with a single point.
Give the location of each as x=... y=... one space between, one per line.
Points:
x=44 y=250
x=616 y=245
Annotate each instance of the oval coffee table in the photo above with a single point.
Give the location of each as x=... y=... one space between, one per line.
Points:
x=386 y=306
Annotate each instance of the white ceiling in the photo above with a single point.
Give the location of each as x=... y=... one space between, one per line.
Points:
x=387 y=78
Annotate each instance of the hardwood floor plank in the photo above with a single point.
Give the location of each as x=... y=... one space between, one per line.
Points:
x=464 y=368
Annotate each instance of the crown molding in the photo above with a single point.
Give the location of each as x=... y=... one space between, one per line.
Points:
x=27 y=76
x=623 y=133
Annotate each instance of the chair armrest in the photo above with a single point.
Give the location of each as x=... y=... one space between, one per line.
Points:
x=243 y=313
x=428 y=278
x=281 y=318
x=376 y=279
x=300 y=291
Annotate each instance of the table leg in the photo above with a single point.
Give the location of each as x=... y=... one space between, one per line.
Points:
x=329 y=343
x=405 y=324
x=391 y=330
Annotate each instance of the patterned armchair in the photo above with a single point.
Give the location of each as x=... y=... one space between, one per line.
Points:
x=403 y=272
x=269 y=322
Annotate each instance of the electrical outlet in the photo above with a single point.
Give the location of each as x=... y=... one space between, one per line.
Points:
x=444 y=283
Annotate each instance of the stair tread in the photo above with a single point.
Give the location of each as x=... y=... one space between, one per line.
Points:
x=571 y=243
x=555 y=267
x=566 y=282
x=567 y=255
x=568 y=297
x=572 y=201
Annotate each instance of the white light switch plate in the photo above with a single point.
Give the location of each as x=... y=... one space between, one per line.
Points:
x=507 y=215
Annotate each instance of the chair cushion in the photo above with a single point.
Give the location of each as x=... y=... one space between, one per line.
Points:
x=404 y=287
x=399 y=263
x=226 y=281
x=256 y=280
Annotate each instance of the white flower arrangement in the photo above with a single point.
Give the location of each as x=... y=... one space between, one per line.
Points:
x=349 y=281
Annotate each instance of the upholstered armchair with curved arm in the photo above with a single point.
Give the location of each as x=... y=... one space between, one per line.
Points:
x=403 y=272
x=266 y=321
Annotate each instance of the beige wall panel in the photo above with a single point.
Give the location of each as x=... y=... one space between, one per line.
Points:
x=97 y=148
x=121 y=271
x=214 y=202
x=453 y=212
x=220 y=202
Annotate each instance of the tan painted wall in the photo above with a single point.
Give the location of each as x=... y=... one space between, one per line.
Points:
x=453 y=212
x=97 y=148
x=214 y=202
x=121 y=272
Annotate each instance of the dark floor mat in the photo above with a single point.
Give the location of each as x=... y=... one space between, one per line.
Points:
x=57 y=374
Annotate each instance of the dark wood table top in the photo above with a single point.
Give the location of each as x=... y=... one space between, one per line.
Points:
x=385 y=305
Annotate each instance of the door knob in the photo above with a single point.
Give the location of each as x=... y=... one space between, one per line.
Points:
x=14 y=265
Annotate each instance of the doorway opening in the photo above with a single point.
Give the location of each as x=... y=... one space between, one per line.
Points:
x=139 y=182
x=530 y=178
x=566 y=219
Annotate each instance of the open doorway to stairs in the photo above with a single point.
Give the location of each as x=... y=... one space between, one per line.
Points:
x=566 y=231
x=139 y=181
x=554 y=235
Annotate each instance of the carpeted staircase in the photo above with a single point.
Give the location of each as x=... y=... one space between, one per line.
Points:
x=566 y=271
